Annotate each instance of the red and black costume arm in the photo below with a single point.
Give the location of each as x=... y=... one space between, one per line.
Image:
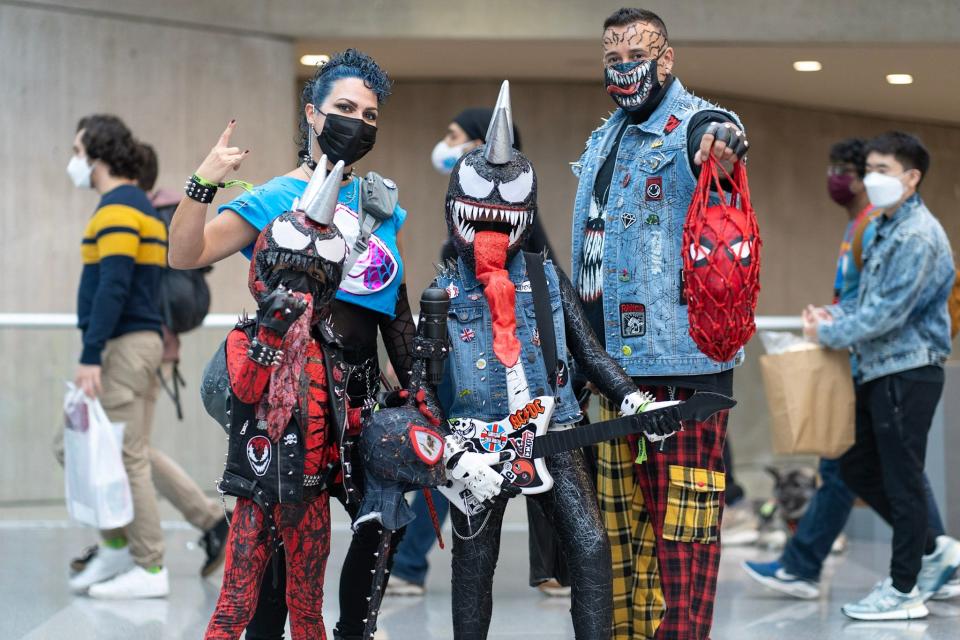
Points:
x=597 y=366
x=249 y=379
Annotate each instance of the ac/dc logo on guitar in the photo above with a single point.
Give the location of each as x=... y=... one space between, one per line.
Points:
x=522 y=417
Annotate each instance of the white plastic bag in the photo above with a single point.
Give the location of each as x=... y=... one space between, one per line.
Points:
x=97 y=488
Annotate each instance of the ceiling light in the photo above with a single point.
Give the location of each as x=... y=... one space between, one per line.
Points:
x=899 y=78
x=312 y=60
x=807 y=65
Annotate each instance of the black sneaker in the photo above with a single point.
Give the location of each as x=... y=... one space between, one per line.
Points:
x=80 y=563
x=214 y=543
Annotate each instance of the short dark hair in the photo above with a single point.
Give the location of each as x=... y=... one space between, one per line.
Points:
x=107 y=138
x=852 y=151
x=629 y=15
x=149 y=167
x=907 y=149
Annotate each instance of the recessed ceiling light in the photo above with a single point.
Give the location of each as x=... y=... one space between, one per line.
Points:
x=899 y=78
x=807 y=65
x=311 y=60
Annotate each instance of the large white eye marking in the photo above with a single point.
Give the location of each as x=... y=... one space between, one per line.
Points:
x=700 y=253
x=517 y=190
x=288 y=236
x=472 y=184
x=741 y=250
x=332 y=249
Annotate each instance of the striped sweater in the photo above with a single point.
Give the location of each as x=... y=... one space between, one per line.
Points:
x=124 y=251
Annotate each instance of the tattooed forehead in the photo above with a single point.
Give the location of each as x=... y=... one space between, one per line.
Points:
x=641 y=35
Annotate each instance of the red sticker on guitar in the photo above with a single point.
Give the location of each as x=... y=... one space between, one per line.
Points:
x=426 y=443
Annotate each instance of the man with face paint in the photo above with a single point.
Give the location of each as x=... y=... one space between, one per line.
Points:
x=899 y=330
x=797 y=571
x=637 y=176
x=496 y=366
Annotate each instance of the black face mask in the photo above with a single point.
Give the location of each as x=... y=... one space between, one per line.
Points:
x=347 y=139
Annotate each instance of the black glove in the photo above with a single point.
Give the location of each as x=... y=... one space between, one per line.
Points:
x=731 y=134
x=280 y=309
x=661 y=422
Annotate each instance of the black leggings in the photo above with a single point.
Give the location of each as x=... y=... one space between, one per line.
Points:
x=572 y=508
x=356 y=580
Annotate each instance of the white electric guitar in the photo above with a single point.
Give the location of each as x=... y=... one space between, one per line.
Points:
x=524 y=432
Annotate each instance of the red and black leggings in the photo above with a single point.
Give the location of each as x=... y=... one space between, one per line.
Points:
x=305 y=530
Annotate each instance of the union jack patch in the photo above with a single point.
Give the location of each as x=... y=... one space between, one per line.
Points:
x=467 y=335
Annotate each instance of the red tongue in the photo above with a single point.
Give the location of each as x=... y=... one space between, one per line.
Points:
x=490 y=256
x=622 y=91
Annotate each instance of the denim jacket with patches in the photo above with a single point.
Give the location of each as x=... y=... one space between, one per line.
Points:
x=645 y=314
x=900 y=320
x=475 y=381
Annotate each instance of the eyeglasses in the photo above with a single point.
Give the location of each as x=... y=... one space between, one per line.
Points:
x=840 y=169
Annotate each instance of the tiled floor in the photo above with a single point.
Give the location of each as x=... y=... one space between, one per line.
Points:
x=35 y=604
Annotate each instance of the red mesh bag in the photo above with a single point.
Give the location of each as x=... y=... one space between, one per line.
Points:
x=721 y=263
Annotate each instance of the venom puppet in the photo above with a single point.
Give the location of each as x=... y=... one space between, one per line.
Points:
x=494 y=367
x=288 y=415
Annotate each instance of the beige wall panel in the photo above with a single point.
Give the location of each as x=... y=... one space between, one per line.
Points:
x=737 y=21
x=156 y=70
x=176 y=88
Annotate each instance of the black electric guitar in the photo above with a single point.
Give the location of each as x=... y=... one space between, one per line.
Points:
x=525 y=434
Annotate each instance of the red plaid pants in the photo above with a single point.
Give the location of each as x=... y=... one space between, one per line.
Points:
x=663 y=520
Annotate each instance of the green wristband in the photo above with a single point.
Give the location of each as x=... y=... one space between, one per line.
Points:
x=226 y=185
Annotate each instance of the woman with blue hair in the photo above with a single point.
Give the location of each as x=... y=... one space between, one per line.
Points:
x=340 y=108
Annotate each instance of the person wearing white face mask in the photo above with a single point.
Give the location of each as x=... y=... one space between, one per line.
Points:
x=464 y=134
x=899 y=329
x=124 y=250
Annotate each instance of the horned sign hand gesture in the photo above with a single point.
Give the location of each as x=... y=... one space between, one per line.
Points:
x=222 y=157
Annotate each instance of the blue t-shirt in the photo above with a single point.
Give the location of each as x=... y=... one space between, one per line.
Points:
x=375 y=278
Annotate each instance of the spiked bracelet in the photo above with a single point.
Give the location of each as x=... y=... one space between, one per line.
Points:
x=200 y=190
x=264 y=354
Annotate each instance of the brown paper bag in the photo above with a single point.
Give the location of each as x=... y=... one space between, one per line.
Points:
x=810 y=396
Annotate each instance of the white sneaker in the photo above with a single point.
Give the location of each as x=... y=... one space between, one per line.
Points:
x=950 y=590
x=938 y=567
x=400 y=587
x=886 y=603
x=135 y=583
x=106 y=564
x=739 y=526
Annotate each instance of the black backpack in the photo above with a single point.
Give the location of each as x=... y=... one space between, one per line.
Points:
x=184 y=294
x=184 y=299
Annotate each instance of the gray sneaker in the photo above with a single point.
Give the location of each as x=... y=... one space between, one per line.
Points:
x=938 y=567
x=886 y=603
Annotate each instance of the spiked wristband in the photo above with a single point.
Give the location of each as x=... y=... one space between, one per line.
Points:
x=264 y=354
x=203 y=190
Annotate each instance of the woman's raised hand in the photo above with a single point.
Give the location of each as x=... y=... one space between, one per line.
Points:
x=222 y=157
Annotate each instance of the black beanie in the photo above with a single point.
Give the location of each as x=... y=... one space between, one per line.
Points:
x=476 y=121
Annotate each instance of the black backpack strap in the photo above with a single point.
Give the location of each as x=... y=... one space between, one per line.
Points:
x=544 y=314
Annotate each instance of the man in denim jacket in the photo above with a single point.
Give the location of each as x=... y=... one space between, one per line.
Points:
x=637 y=177
x=899 y=331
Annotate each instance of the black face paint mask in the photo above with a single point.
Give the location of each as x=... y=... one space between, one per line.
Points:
x=632 y=84
x=347 y=139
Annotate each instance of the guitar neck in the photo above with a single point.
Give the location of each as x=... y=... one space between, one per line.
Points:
x=582 y=436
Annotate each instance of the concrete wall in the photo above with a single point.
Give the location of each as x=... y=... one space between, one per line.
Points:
x=177 y=85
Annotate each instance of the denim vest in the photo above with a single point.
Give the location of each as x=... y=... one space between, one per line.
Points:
x=650 y=192
x=901 y=320
x=475 y=381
